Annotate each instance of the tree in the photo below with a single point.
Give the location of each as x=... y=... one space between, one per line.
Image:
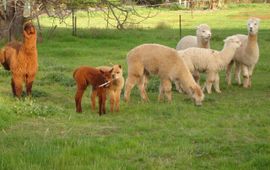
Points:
x=115 y=13
x=11 y=18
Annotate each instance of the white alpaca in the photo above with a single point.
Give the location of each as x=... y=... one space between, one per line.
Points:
x=210 y=61
x=247 y=55
x=166 y=64
x=202 y=38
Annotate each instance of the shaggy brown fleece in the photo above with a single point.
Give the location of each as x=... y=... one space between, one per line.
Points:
x=21 y=60
x=85 y=76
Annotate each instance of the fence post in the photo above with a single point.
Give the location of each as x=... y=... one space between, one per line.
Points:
x=180 y=26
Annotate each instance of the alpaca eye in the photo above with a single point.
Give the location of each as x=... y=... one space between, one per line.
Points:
x=117 y=72
x=203 y=31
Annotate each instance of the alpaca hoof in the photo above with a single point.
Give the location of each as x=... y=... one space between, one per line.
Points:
x=218 y=91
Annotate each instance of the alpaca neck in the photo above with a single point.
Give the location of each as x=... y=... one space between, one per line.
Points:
x=29 y=45
x=252 y=41
x=226 y=55
x=201 y=43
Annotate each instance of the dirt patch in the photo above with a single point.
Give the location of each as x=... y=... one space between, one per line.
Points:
x=246 y=15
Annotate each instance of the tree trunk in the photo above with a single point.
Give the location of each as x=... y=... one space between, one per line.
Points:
x=11 y=20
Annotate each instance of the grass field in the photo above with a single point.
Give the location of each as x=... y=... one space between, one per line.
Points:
x=230 y=131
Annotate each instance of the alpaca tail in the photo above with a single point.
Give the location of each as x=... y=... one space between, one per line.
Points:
x=74 y=73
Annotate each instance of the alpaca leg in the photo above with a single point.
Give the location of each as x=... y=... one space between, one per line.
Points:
x=17 y=85
x=178 y=87
x=167 y=88
x=146 y=80
x=228 y=73
x=117 y=99
x=78 y=98
x=29 y=83
x=250 y=72
x=103 y=102
x=196 y=76
x=99 y=104
x=161 y=93
x=216 y=84
x=93 y=99
x=237 y=72
x=130 y=83
x=112 y=100
x=142 y=89
x=13 y=87
x=245 y=76
x=210 y=78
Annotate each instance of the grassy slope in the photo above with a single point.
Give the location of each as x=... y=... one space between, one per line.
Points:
x=230 y=131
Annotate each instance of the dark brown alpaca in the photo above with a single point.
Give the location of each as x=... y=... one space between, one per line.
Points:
x=21 y=59
x=85 y=76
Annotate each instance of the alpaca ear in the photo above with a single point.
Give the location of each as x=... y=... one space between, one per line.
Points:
x=119 y=66
x=25 y=34
x=111 y=70
x=101 y=71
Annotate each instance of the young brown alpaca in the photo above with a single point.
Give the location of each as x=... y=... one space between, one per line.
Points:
x=21 y=60
x=85 y=76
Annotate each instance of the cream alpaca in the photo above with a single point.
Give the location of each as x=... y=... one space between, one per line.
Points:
x=247 y=56
x=202 y=38
x=210 y=61
x=162 y=61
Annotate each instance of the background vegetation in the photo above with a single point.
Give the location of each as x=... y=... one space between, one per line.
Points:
x=230 y=131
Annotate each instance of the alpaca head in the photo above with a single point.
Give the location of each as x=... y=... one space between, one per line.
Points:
x=117 y=71
x=253 y=25
x=106 y=76
x=232 y=42
x=204 y=31
x=196 y=94
x=29 y=31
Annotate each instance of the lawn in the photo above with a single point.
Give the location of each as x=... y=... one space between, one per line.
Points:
x=230 y=131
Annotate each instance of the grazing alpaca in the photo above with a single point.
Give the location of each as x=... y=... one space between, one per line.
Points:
x=85 y=76
x=210 y=61
x=247 y=56
x=167 y=64
x=21 y=60
x=116 y=86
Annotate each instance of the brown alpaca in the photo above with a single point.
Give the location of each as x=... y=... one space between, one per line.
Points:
x=21 y=60
x=114 y=91
x=85 y=76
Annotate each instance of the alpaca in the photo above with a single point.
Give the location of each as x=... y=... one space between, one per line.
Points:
x=210 y=61
x=114 y=90
x=162 y=61
x=247 y=56
x=201 y=40
x=85 y=76
x=21 y=60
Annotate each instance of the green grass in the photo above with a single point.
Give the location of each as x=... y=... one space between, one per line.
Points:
x=230 y=131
